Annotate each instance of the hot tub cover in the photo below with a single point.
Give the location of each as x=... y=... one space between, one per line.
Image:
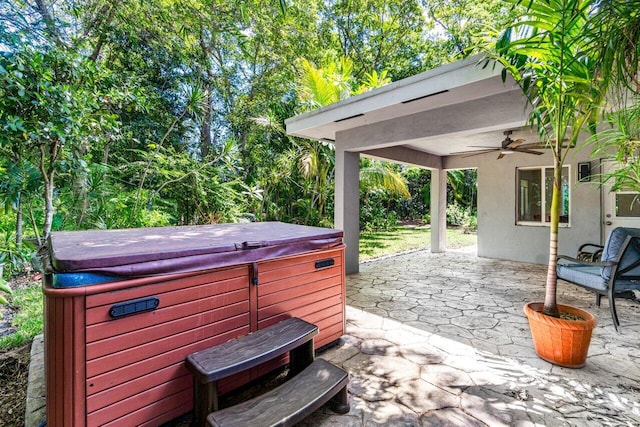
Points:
x=167 y=250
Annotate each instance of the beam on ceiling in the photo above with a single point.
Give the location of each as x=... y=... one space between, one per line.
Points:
x=406 y=156
x=468 y=116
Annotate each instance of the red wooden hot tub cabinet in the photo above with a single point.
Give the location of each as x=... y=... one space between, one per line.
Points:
x=123 y=308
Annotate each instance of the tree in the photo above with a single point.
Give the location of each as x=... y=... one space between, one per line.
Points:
x=459 y=22
x=550 y=56
x=616 y=29
x=50 y=103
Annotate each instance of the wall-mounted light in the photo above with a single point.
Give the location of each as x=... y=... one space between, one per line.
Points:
x=584 y=171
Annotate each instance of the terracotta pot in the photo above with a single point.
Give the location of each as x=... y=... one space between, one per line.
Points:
x=560 y=341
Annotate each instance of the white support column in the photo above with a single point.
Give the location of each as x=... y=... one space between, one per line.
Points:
x=438 y=210
x=347 y=205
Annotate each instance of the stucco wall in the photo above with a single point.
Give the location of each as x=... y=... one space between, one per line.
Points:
x=498 y=234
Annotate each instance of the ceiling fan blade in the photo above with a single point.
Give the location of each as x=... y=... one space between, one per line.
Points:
x=472 y=153
x=516 y=143
x=486 y=146
x=501 y=155
x=537 y=153
x=534 y=145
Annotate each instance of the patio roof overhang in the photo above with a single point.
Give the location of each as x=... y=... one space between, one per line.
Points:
x=438 y=112
x=426 y=121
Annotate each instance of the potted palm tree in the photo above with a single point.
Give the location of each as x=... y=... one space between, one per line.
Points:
x=550 y=57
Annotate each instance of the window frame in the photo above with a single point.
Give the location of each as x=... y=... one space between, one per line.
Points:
x=543 y=196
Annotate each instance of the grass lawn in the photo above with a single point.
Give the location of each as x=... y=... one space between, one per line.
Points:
x=375 y=244
x=27 y=319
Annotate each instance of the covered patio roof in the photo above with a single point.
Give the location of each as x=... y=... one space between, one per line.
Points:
x=438 y=112
x=426 y=120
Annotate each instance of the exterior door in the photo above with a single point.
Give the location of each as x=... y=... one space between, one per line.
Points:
x=621 y=208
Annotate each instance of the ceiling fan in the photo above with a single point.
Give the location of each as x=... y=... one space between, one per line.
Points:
x=508 y=146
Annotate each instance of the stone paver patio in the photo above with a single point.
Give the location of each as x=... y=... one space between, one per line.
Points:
x=441 y=340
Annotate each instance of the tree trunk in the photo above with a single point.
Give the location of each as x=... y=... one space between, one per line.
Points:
x=80 y=190
x=550 y=303
x=19 y=221
x=205 y=129
x=47 y=168
x=48 y=207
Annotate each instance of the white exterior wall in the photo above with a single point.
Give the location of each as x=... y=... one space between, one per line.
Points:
x=500 y=237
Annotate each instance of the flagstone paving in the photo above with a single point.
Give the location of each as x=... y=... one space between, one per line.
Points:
x=441 y=340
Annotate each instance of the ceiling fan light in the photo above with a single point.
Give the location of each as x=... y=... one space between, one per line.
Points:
x=507 y=152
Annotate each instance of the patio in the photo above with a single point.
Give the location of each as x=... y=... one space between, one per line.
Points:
x=441 y=339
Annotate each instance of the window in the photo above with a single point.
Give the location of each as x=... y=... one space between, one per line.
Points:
x=535 y=187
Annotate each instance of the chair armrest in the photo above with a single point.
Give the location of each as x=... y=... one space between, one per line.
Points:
x=590 y=244
x=587 y=263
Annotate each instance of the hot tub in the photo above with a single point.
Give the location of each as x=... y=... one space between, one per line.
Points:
x=123 y=308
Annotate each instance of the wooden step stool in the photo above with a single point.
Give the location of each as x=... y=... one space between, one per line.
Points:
x=312 y=383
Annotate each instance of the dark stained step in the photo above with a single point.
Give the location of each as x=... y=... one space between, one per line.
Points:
x=250 y=350
x=293 y=335
x=292 y=401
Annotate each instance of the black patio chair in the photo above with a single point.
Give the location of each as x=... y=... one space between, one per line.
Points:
x=617 y=271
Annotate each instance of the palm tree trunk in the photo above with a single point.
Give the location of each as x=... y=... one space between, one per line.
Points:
x=550 y=303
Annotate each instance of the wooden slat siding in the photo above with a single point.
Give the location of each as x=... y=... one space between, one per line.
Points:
x=64 y=348
x=126 y=357
x=344 y=299
x=77 y=332
x=163 y=285
x=268 y=268
x=328 y=275
x=283 y=304
x=162 y=316
x=98 y=383
x=330 y=330
x=61 y=380
x=301 y=291
x=231 y=383
x=146 y=413
x=161 y=419
x=99 y=314
x=300 y=312
x=331 y=333
x=144 y=335
x=138 y=385
x=272 y=365
x=298 y=273
x=324 y=318
x=120 y=408
x=325 y=322
x=52 y=370
x=326 y=308
x=252 y=373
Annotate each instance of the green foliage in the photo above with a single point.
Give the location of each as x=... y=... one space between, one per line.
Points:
x=620 y=142
x=550 y=55
x=4 y=287
x=52 y=109
x=153 y=113
x=376 y=175
x=464 y=217
x=374 y=215
x=28 y=321
x=458 y=23
x=13 y=256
